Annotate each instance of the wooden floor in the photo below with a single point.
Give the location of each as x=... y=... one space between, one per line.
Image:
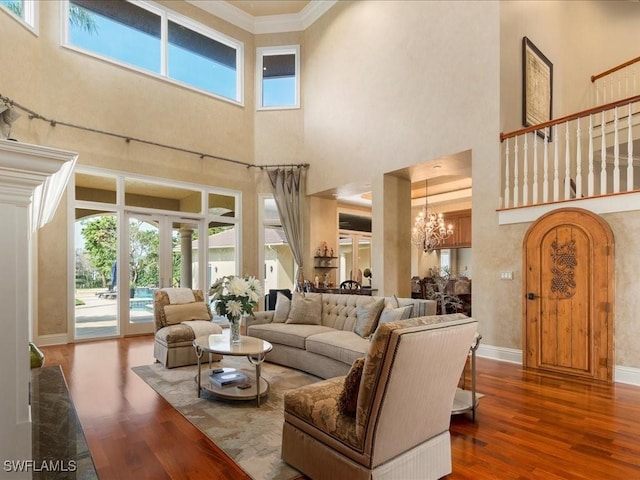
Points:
x=529 y=426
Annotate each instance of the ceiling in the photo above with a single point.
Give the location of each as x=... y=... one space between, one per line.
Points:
x=447 y=180
x=265 y=8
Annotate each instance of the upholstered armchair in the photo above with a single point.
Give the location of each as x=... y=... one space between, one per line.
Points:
x=390 y=421
x=181 y=315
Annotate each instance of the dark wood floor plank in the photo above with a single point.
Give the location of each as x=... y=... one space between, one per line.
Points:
x=530 y=425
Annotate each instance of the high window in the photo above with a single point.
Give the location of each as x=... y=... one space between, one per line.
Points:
x=279 y=77
x=25 y=10
x=150 y=38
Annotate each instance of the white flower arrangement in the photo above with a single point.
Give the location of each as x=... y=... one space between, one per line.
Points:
x=235 y=296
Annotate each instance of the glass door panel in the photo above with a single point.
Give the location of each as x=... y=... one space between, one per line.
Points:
x=96 y=288
x=144 y=271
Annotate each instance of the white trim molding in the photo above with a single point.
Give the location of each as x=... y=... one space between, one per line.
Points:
x=24 y=169
x=621 y=202
x=293 y=22
x=621 y=374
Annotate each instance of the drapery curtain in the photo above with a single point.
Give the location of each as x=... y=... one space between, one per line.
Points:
x=289 y=192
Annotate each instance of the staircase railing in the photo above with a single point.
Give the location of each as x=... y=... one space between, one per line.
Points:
x=586 y=154
x=616 y=83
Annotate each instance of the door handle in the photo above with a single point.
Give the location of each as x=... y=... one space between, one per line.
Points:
x=532 y=296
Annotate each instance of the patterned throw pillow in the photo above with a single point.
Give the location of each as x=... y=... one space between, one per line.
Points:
x=283 y=305
x=306 y=309
x=348 y=400
x=367 y=318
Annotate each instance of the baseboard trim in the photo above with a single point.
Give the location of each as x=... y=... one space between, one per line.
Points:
x=57 y=339
x=630 y=375
x=621 y=374
x=503 y=354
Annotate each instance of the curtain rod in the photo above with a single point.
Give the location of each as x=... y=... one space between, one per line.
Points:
x=34 y=115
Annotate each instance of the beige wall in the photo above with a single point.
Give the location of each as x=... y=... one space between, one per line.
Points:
x=68 y=86
x=386 y=85
x=580 y=39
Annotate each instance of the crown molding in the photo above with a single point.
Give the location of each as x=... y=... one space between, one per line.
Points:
x=268 y=24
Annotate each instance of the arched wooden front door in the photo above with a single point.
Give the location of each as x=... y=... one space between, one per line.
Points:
x=568 y=285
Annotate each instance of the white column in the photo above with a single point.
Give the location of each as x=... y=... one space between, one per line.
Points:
x=23 y=170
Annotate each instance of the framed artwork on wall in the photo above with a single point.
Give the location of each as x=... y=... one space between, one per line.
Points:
x=537 y=87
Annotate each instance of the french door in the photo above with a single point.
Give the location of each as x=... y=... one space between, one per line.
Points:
x=157 y=251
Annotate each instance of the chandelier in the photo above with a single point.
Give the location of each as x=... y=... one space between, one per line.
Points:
x=430 y=229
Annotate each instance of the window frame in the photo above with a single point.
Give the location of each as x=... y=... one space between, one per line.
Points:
x=29 y=18
x=166 y=15
x=261 y=52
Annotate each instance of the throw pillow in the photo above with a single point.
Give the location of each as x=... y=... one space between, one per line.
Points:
x=183 y=312
x=306 y=309
x=395 y=314
x=283 y=305
x=348 y=400
x=367 y=318
x=392 y=302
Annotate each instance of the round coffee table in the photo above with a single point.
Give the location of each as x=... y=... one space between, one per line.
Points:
x=253 y=348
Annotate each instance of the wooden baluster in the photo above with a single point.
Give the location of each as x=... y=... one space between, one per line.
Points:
x=630 y=150
x=545 y=167
x=535 y=168
x=603 y=159
x=516 y=192
x=556 y=161
x=616 y=153
x=525 y=172
x=590 y=176
x=567 y=163
x=506 y=175
x=578 y=191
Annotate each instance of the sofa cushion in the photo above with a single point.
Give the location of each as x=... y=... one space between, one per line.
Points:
x=395 y=314
x=175 y=334
x=340 y=311
x=391 y=302
x=367 y=318
x=203 y=328
x=348 y=400
x=182 y=312
x=283 y=305
x=305 y=309
x=339 y=345
x=293 y=335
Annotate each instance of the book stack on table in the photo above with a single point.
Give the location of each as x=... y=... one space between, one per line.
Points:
x=227 y=378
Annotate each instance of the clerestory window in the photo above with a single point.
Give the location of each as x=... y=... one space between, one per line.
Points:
x=279 y=77
x=25 y=10
x=153 y=39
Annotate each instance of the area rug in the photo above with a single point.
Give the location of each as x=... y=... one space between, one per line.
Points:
x=251 y=436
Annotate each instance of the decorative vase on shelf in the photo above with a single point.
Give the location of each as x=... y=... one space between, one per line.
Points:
x=235 y=329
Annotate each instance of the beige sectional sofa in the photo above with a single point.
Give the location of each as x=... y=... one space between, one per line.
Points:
x=323 y=333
